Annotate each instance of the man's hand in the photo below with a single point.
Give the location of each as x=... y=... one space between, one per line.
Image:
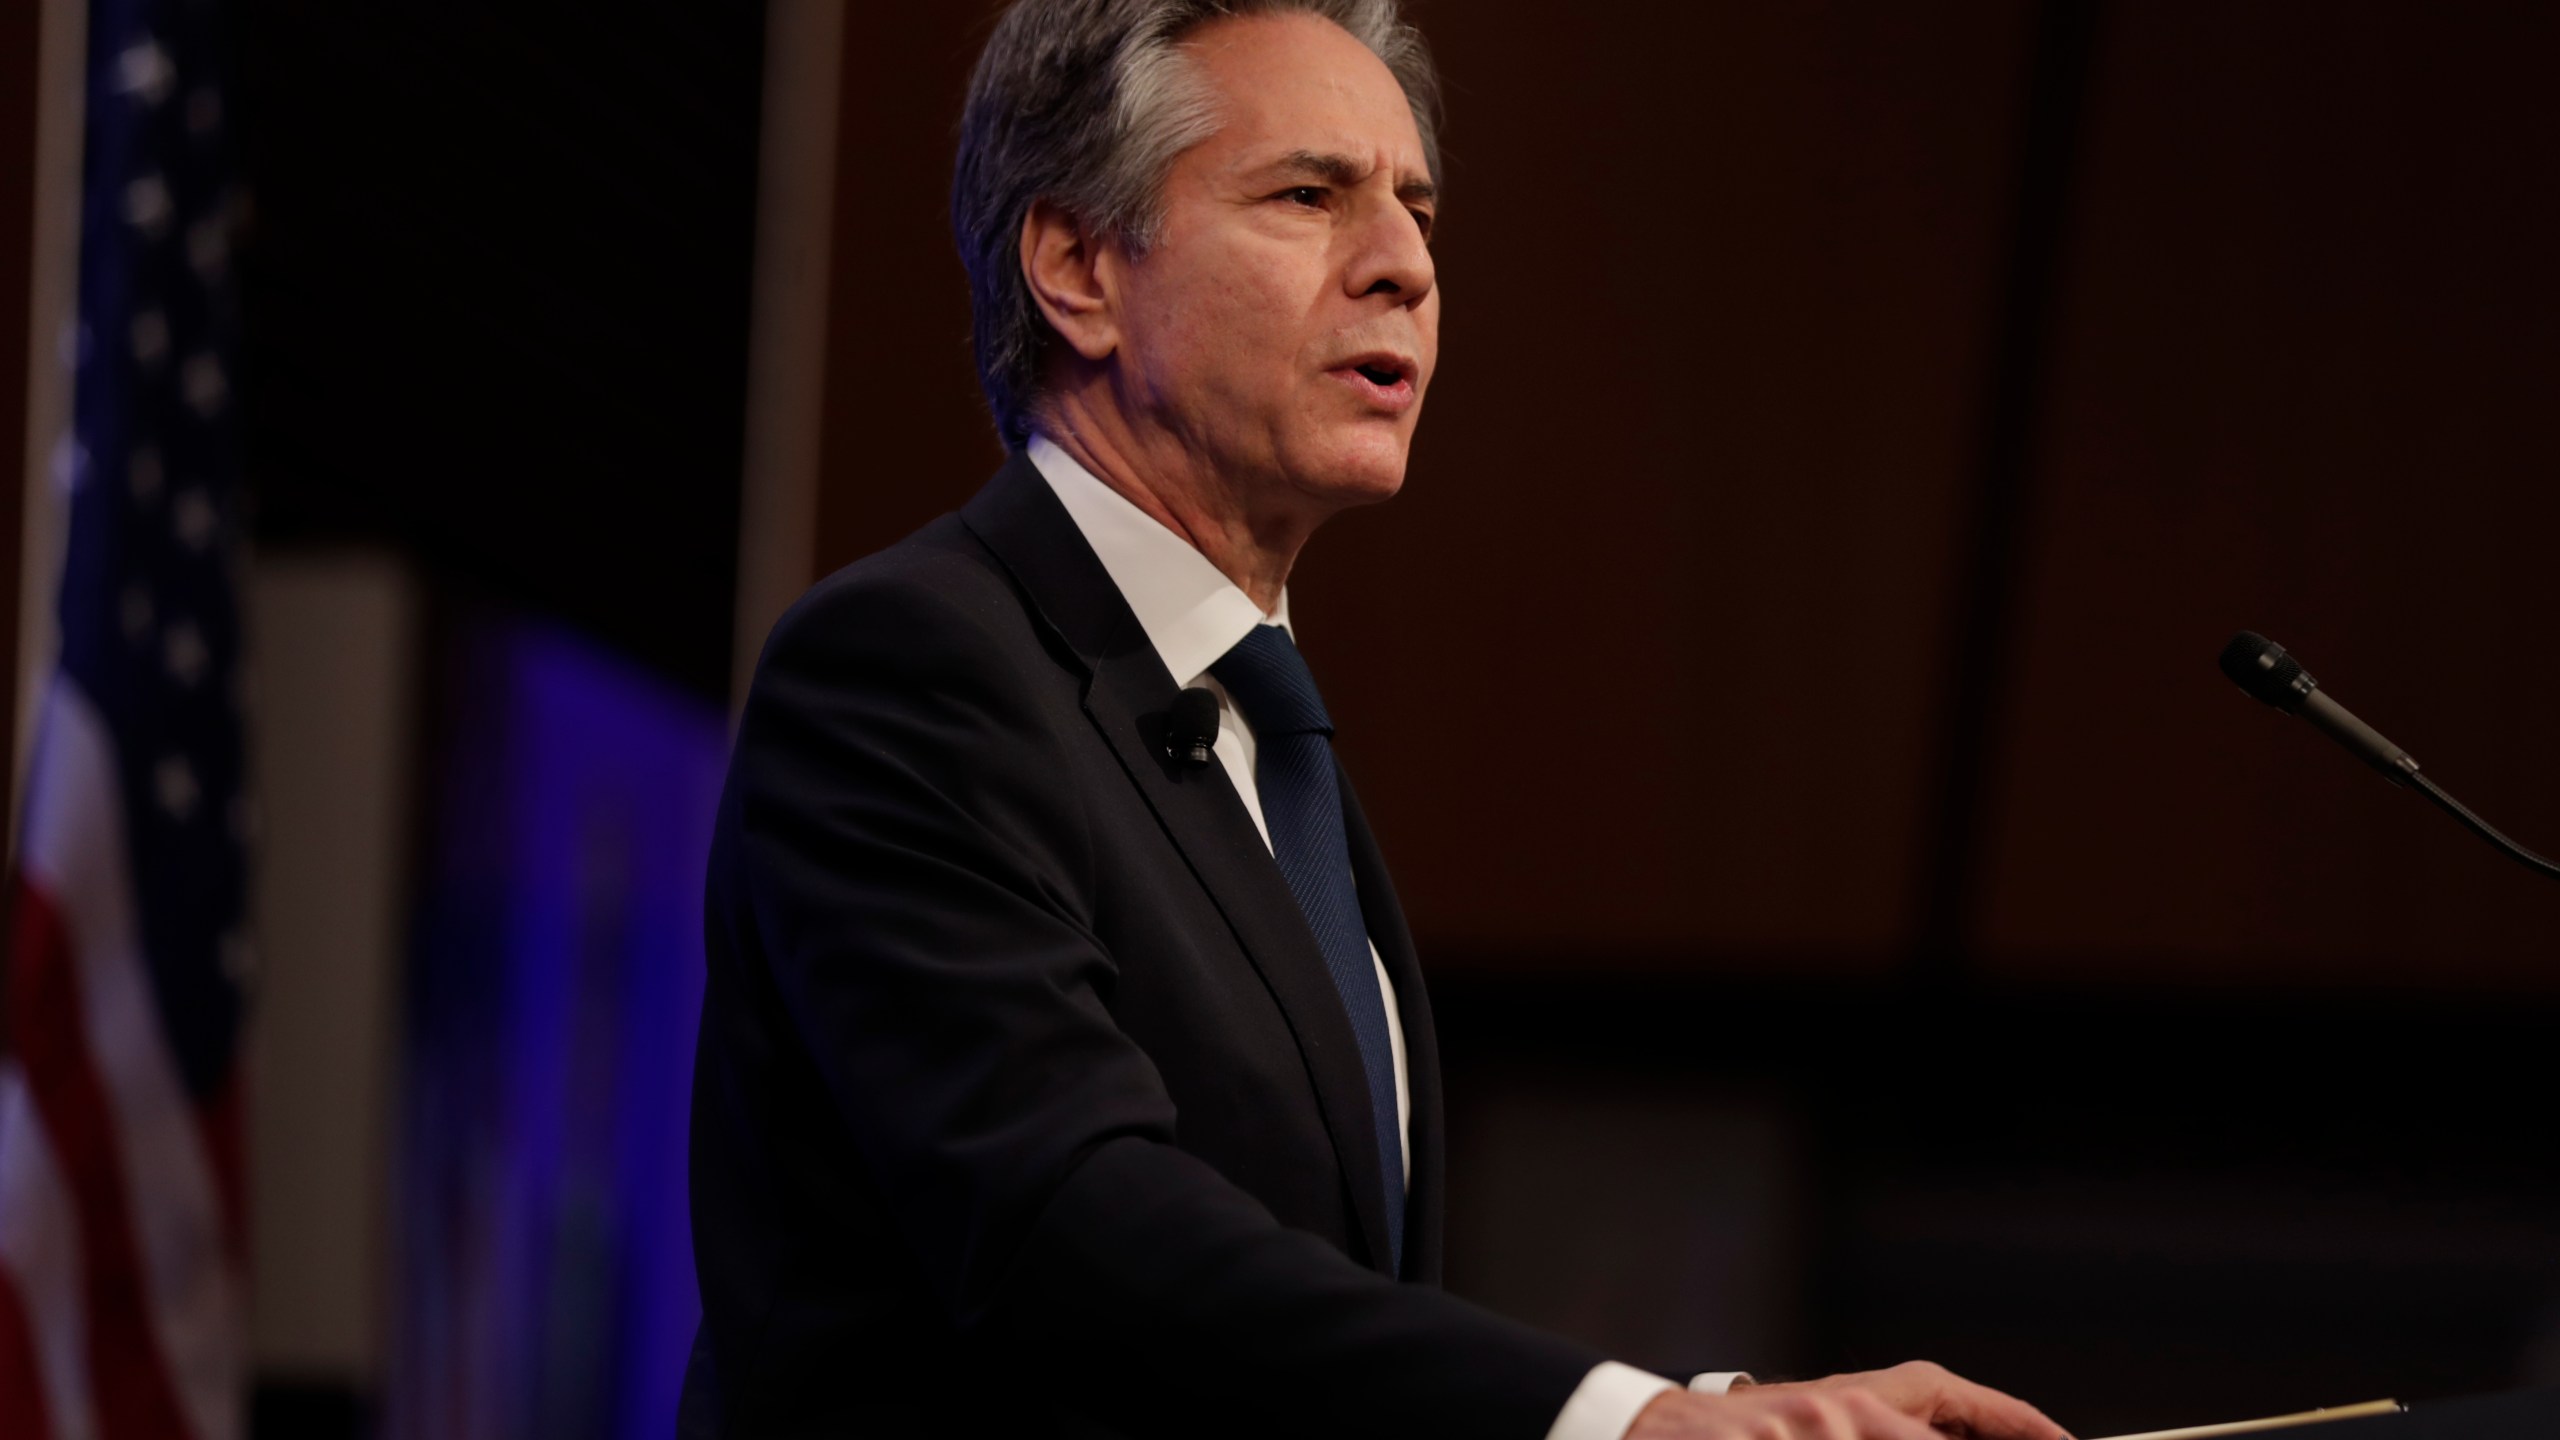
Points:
x=1917 y=1401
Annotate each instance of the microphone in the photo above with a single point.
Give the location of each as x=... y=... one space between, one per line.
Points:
x=2261 y=667
x=1192 y=729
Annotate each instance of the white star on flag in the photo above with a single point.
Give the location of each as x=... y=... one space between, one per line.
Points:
x=205 y=385
x=145 y=70
x=208 y=247
x=185 y=653
x=150 y=337
x=146 y=204
x=195 y=519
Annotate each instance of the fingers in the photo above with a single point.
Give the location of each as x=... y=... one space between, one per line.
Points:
x=1824 y=1412
x=1875 y=1420
x=1836 y=1415
x=1976 y=1410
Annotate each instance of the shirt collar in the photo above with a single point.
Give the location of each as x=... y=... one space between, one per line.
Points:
x=1191 y=611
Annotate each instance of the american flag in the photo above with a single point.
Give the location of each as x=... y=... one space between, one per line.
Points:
x=121 y=1215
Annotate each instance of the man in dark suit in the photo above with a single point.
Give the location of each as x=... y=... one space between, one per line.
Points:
x=1066 y=1067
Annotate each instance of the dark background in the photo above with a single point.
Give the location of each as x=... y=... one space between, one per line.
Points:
x=1862 y=923
x=497 y=300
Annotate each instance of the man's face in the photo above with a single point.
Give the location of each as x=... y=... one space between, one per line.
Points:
x=1286 y=324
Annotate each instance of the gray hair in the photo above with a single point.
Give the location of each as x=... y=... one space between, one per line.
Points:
x=1085 y=103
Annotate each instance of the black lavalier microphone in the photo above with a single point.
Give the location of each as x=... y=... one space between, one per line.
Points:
x=1192 y=730
x=2261 y=667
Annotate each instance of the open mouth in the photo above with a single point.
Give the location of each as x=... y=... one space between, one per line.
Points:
x=1384 y=379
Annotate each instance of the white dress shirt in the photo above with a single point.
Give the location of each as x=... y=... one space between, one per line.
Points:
x=1193 y=615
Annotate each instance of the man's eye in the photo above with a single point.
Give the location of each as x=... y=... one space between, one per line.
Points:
x=1422 y=222
x=1310 y=195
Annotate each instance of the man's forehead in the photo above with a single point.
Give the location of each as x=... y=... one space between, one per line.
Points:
x=1294 y=86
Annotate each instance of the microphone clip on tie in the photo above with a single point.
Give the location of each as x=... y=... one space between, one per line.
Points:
x=1191 y=731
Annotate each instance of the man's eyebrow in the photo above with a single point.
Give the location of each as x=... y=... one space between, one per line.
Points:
x=1345 y=171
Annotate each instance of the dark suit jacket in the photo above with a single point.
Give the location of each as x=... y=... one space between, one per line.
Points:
x=1024 y=1103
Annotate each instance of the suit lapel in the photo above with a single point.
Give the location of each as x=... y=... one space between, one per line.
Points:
x=1128 y=696
x=1427 y=1140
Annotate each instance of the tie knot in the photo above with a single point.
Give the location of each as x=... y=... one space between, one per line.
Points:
x=1272 y=685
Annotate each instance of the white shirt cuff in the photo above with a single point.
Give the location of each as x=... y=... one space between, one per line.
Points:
x=1716 y=1382
x=1607 y=1402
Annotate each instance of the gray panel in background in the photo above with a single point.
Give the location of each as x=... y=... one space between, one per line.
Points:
x=333 y=685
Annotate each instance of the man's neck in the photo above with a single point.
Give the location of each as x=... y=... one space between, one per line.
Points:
x=1176 y=490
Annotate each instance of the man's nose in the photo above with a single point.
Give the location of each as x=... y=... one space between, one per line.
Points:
x=1393 y=258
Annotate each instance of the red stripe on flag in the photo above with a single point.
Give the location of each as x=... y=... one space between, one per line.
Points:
x=128 y=1376
x=21 y=1383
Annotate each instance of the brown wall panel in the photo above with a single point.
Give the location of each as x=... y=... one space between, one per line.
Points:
x=1643 y=663
x=2310 y=329
x=904 y=436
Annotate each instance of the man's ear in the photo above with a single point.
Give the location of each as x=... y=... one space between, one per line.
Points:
x=1065 y=266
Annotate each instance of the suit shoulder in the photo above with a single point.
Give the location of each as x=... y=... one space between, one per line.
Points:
x=937 y=590
x=915 y=671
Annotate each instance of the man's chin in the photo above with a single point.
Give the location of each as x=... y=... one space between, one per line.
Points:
x=1361 y=472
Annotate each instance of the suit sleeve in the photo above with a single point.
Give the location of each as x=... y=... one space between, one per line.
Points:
x=914 y=867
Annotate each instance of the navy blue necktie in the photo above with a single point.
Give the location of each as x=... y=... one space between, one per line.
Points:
x=1302 y=804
